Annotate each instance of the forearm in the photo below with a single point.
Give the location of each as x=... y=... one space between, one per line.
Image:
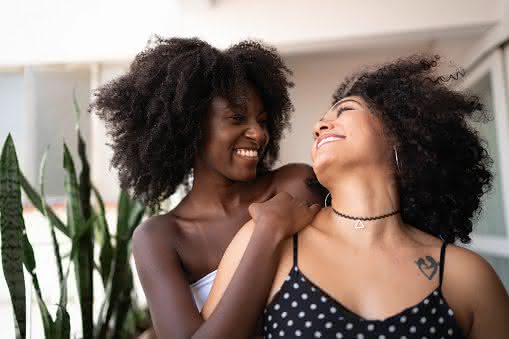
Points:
x=243 y=300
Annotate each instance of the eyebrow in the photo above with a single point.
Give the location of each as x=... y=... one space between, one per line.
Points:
x=340 y=102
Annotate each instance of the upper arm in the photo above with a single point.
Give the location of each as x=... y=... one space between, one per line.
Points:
x=295 y=179
x=490 y=302
x=228 y=266
x=169 y=298
x=477 y=288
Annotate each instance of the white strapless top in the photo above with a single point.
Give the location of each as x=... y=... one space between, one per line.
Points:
x=201 y=289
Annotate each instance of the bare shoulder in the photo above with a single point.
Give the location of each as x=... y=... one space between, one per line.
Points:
x=469 y=276
x=299 y=180
x=477 y=294
x=468 y=266
x=157 y=233
x=155 y=226
x=164 y=282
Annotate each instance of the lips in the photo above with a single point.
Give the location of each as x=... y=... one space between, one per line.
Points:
x=327 y=138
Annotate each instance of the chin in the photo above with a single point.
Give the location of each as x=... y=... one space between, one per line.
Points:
x=328 y=170
x=244 y=175
x=322 y=165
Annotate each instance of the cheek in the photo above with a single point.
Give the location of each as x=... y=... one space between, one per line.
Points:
x=373 y=143
x=366 y=132
x=219 y=145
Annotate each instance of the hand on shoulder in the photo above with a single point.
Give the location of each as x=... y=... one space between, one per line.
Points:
x=299 y=180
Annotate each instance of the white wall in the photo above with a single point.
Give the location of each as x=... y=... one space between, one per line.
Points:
x=13 y=116
x=492 y=39
x=97 y=31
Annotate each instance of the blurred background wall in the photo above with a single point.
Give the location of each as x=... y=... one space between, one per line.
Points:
x=51 y=48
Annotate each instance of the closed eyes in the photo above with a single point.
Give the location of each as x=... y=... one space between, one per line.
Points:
x=238 y=117
x=342 y=109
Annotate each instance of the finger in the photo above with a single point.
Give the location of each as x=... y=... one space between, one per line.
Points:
x=253 y=209
x=305 y=203
x=283 y=196
x=314 y=209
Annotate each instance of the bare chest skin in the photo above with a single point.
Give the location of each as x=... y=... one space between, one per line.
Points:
x=374 y=283
x=201 y=243
x=203 y=236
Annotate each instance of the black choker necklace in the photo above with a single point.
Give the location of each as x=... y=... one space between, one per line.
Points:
x=359 y=220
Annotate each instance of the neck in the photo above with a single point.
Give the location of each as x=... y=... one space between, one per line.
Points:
x=364 y=195
x=212 y=191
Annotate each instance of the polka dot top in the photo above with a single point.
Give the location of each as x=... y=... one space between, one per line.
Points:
x=302 y=309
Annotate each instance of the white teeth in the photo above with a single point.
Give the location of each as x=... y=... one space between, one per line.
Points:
x=327 y=139
x=247 y=153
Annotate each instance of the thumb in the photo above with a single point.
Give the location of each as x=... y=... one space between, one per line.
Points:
x=253 y=210
x=314 y=209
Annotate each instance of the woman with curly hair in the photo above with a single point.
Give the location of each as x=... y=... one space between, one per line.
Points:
x=188 y=110
x=406 y=174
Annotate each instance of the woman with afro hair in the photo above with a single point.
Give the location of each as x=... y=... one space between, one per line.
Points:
x=406 y=173
x=186 y=110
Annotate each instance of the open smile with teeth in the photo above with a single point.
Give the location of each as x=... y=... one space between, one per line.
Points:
x=328 y=139
x=247 y=153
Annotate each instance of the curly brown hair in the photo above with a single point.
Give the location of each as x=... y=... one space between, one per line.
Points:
x=445 y=166
x=153 y=112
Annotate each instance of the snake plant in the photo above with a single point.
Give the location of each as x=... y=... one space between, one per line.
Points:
x=87 y=231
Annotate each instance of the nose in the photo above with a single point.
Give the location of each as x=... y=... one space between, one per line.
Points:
x=321 y=126
x=256 y=133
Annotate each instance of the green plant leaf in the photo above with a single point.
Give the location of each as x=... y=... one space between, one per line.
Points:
x=102 y=210
x=74 y=216
x=56 y=247
x=47 y=321
x=120 y=269
x=124 y=304
x=124 y=207
x=87 y=241
x=105 y=254
x=103 y=237
x=136 y=214
x=12 y=227
x=81 y=235
x=77 y=109
x=30 y=266
x=62 y=325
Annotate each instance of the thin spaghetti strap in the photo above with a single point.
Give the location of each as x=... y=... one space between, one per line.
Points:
x=295 y=249
x=442 y=263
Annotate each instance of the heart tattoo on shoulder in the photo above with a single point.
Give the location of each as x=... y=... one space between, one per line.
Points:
x=428 y=266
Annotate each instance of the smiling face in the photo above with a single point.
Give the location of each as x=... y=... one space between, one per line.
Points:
x=235 y=138
x=349 y=137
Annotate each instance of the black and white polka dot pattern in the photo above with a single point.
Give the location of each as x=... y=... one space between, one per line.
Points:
x=302 y=310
